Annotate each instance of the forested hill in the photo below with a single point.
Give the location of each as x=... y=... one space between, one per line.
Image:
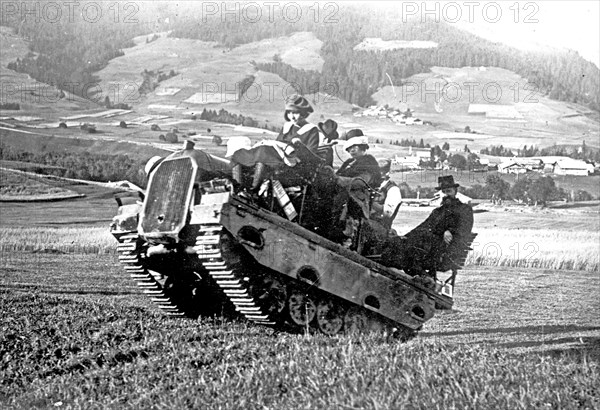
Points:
x=564 y=76
x=67 y=46
x=67 y=52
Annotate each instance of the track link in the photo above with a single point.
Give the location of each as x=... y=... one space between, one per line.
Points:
x=131 y=255
x=210 y=245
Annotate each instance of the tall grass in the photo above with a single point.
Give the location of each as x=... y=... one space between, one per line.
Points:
x=76 y=240
x=526 y=248
x=536 y=248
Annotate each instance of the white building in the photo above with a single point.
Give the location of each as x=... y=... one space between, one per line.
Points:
x=571 y=167
x=411 y=163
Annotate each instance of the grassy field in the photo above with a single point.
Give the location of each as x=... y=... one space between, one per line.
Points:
x=83 y=338
x=76 y=333
x=20 y=187
x=551 y=238
x=526 y=248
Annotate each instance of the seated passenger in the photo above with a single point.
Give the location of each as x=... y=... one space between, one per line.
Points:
x=328 y=138
x=436 y=243
x=360 y=165
x=274 y=154
x=386 y=204
x=353 y=183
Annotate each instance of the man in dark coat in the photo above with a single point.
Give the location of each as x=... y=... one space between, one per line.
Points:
x=438 y=241
x=351 y=197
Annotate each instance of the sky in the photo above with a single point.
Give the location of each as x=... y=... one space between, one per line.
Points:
x=523 y=24
x=560 y=24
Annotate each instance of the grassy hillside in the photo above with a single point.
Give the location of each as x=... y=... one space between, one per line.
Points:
x=18 y=187
x=206 y=73
x=34 y=97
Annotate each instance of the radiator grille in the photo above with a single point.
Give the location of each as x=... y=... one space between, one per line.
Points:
x=168 y=195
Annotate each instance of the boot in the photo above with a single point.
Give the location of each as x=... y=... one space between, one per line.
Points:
x=236 y=173
x=259 y=173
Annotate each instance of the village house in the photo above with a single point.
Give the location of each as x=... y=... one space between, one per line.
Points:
x=572 y=167
x=520 y=165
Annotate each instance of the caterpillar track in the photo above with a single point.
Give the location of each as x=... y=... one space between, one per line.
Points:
x=131 y=255
x=210 y=246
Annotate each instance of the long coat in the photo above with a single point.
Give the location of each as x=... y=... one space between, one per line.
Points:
x=425 y=243
x=279 y=152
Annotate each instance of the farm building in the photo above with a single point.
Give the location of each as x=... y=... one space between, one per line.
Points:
x=572 y=167
x=511 y=167
x=411 y=163
x=495 y=111
x=520 y=165
x=422 y=153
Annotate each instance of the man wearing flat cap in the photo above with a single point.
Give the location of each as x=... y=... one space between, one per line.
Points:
x=434 y=244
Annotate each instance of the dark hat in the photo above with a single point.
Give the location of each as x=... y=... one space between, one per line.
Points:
x=446 y=182
x=384 y=165
x=329 y=129
x=354 y=133
x=297 y=103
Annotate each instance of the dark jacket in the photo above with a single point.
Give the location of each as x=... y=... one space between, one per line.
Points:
x=424 y=248
x=306 y=132
x=453 y=216
x=365 y=167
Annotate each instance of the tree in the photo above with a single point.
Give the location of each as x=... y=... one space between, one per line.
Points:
x=446 y=146
x=497 y=187
x=542 y=190
x=536 y=191
x=519 y=191
x=457 y=161
x=472 y=160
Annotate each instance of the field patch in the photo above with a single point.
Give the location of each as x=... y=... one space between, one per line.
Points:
x=200 y=66
x=377 y=44
x=19 y=187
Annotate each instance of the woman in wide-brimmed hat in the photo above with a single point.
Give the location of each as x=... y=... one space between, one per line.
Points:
x=269 y=153
x=351 y=194
x=361 y=164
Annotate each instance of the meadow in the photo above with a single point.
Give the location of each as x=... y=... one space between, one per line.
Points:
x=76 y=334
x=548 y=240
x=15 y=186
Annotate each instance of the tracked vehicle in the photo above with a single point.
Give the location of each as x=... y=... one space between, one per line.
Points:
x=197 y=245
